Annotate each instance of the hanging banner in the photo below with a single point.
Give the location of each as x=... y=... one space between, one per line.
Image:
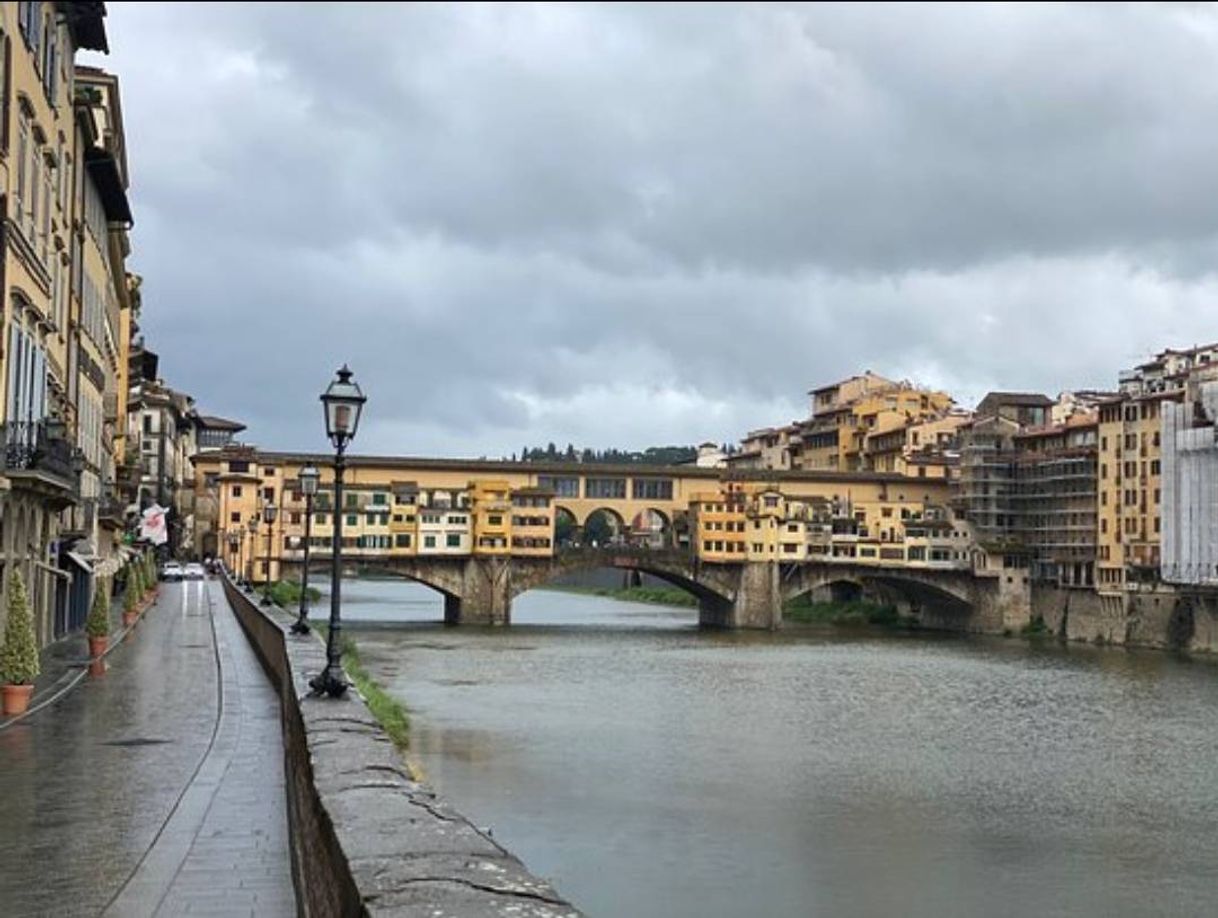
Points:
x=152 y=525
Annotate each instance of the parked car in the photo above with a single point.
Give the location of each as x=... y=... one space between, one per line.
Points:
x=194 y=571
x=171 y=571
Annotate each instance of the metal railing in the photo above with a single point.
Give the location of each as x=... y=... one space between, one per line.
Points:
x=38 y=446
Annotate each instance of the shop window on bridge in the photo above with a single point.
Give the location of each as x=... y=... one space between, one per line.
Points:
x=651 y=488
x=561 y=486
x=611 y=488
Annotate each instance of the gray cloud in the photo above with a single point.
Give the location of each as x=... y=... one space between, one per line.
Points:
x=623 y=225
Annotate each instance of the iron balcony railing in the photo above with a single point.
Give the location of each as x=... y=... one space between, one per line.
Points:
x=39 y=446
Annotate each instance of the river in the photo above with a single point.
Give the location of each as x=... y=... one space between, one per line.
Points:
x=652 y=769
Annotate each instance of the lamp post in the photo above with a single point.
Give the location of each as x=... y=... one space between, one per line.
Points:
x=343 y=401
x=252 y=526
x=308 y=484
x=233 y=543
x=268 y=517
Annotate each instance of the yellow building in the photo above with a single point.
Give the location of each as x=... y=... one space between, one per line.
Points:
x=492 y=514
x=1129 y=489
x=64 y=198
x=533 y=518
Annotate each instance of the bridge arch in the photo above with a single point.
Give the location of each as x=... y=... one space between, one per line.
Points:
x=920 y=591
x=671 y=567
x=604 y=525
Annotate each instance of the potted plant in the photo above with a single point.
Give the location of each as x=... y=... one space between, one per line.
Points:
x=97 y=625
x=19 y=663
x=135 y=592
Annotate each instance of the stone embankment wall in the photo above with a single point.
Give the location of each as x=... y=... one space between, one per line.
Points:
x=1162 y=617
x=366 y=838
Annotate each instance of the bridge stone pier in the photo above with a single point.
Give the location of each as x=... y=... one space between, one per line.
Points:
x=480 y=590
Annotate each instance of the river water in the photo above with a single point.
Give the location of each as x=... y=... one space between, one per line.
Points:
x=651 y=769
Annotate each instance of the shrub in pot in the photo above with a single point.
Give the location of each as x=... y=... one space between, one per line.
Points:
x=19 y=663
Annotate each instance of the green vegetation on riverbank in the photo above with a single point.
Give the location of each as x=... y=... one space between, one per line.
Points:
x=391 y=714
x=660 y=596
x=855 y=612
x=286 y=594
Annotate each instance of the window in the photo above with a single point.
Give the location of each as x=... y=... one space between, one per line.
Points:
x=234 y=517
x=453 y=540
x=352 y=519
x=236 y=490
x=239 y=466
x=379 y=499
x=268 y=494
x=322 y=519
x=402 y=541
x=561 y=486
x=147 y=423
x=268 y=472
x=1154 y=466
x=429 y=541
x=397 y=517
x=612 y=488
x=494 y=520
x=652 y=488
x=295 y=519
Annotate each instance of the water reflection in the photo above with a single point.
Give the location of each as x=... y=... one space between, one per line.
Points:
x=653 y=769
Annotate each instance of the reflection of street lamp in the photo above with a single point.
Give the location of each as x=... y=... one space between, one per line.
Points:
x=308 y=484
x=343 y=402
x=252 y=526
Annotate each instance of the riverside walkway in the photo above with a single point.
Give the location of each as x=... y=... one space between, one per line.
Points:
x=156 y=789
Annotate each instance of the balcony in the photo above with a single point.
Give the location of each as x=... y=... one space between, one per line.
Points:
x=38 y=456
x=111 y=512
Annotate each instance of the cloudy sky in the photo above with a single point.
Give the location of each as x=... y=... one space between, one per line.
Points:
x=636 y=225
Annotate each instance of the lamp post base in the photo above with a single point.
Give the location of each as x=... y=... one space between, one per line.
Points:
x=329 y=681
x=301 y=627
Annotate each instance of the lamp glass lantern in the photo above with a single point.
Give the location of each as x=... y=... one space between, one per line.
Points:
x=268 y=513
x=309 y=477
x=343 y=402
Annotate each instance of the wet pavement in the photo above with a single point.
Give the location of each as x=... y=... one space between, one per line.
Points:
x=156 y=788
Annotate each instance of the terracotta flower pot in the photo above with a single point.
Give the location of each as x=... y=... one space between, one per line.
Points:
x=98 y=645
x=97 y=667
x=16 y=698
x=129 y=618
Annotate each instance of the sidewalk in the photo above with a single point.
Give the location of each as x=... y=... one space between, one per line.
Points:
x=156 y=788
x=65 y=662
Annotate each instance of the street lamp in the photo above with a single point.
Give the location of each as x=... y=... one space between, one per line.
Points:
x=252 y=526
x=234 y=541
x=343 y=403
x=308 y=484
x=268 y=517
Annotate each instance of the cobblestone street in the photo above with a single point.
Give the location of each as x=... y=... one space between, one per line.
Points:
x=156 y=788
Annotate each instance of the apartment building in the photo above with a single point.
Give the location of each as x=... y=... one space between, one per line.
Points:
x=764 y=522
x=857 y=424
x=62 y=266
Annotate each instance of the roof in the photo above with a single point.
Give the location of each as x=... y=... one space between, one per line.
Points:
x=501 y=467
x=103 y=169
x=1029 y=399
x=84 y=19
x=213 y=422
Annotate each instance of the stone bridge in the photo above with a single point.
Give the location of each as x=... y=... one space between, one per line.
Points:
x=480 y=589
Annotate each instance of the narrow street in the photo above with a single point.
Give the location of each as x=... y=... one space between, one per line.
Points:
x=157 y=788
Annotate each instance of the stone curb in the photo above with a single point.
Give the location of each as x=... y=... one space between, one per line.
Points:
x=367 y=839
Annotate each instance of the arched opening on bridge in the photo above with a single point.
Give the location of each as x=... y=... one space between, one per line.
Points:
x=650 y=529
x=566 y=528
x=604 y=528
x=379 y=596
x=920 y=600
